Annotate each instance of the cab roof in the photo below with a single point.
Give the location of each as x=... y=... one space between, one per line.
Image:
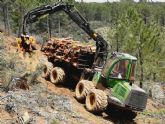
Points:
x=125 y=56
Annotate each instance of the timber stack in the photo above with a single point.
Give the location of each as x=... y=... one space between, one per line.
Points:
x=66 y=50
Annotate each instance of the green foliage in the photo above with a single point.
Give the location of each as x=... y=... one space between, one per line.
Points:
x=142 y=37
x=136 y=28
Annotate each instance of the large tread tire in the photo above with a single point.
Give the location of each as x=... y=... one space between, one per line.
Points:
x=57 y=75
x=48 y=66
x=83 y=88
x=96 y=101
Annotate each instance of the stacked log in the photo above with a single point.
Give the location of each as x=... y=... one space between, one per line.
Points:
x=69 y=51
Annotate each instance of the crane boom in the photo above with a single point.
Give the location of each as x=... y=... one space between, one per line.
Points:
x=73 y=13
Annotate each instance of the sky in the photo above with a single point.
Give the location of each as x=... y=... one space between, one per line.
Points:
x=114 y=0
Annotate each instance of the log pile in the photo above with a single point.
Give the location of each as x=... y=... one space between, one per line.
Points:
x=69 y=51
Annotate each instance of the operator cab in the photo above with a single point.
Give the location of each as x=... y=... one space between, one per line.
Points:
x=117 y=76
x=121 y=66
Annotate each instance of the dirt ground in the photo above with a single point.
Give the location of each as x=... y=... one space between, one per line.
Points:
x=154 y=113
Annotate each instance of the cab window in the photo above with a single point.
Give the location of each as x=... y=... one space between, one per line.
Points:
x=106 y=67
x=120 y=69
x=132 y=75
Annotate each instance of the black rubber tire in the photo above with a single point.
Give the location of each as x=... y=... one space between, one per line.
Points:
x=131 y=115
x=96 y=101
x=57 y=75
x=120 y=114
x=83 y=88
x=48 y=66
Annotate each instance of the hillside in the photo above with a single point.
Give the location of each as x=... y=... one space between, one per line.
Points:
x=42 y=102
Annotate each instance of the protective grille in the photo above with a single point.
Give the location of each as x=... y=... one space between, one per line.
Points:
x=137 y=100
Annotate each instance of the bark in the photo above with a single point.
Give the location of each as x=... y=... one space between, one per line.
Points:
x=6 y=18
x=49 y=29
x=117 y=43
x=4 y=15
x=162 y=21
x=141 y=68
x=59 y=28
x=154 y=77
x=20 y=25
x=20 y=20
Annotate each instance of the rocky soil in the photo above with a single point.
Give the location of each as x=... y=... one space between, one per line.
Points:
x=37 y=101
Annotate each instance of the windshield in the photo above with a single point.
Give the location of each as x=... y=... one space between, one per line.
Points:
x=120 y=69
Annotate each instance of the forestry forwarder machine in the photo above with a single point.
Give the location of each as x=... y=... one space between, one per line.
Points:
x=106 y=82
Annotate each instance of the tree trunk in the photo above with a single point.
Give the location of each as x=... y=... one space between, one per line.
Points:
x=20 y=25
x=59 y=28
x=117 y=43
x=20 y=20
x=162 y=21
x=154 y=77
x=141 y=68
x=49 y=26
x=6 y=18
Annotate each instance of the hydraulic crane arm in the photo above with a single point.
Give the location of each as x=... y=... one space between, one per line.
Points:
x=101 y=44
